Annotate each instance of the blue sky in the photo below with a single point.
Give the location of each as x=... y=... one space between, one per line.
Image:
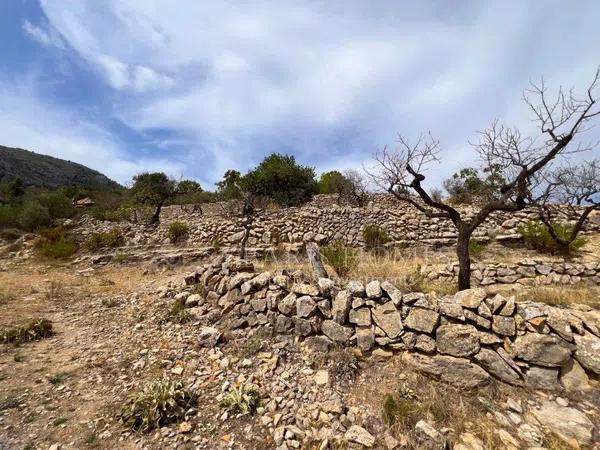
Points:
x=126 y=86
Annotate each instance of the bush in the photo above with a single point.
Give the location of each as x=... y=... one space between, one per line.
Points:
x=537 y=236
x=476 y=248
x=34 y=216
x=58 y=204
x=121 y=214
x=343 y=259
x=9 y=216
x=161 y=402
x=56 y=243
x=177 y=313
x=178 y=231
x=110 y=239
x=32 y=330
x=241 y=399
x=375 y=237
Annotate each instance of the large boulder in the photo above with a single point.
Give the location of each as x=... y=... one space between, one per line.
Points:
x=457 y=340
x=459 y=372
x=542 y=349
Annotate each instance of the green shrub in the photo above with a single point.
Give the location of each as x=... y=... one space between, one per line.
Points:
x=159 y=403
x=34 y=216
x=476 y=248
x=396 y=410
x=537 y=236
x=177 y=313
x=58 y=204
x=178 y=231
x=375 y=237
x=9 y=216
x=343 y=259
x=56 y=243
x=241 y=399
x=120 y=257
x=32 y=330
x=110 y=239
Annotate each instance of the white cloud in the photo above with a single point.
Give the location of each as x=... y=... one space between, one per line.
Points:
x=45 y=37
x=331 y=81
x=63 y=134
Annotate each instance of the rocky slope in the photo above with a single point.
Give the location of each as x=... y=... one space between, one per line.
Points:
x=45 y=171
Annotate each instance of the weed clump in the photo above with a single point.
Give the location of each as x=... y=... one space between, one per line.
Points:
x=178 y=231
x=537 y=237
x=9 y=403
x=160 y=402
x=375 y=237
x=343 y=259
x=477 y=248
x=177 y=313
x=109 y=239
x=56 y=243
x=32 y=330
x=241 y=399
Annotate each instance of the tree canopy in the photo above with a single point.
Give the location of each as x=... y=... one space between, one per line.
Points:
x=282 y=179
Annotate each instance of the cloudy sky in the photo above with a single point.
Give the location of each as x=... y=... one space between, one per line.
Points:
x=195 y=87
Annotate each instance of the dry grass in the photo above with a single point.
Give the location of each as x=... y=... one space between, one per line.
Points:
x=563 y=295
x=401 y=267
x=420 y=398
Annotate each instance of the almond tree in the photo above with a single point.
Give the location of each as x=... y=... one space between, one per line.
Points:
x=520 y=158
x=576 y=188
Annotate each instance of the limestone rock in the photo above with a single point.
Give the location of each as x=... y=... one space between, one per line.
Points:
x=373 y=289
x=567 y=422
x=365 y=338
x=542 y=377
x=360 y=436
x=504 y=325
x=457 y=340
x=542 y=349
x=387 y=317
x=423 y=320
x=340 y=306
x=208 y=337
x=425 y=432
x=573 y=377
x=493 y=363
x=393 y=292
x=305 y=289
x=336 y=332
x=459 y=372
x=356 y=288
x=587 y=352
x=305 y=306
x=470 y=298
x=360 y=316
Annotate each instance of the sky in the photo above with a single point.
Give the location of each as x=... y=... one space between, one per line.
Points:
x=194 y=88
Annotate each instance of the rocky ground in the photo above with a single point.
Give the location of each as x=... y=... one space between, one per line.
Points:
x=112 y=335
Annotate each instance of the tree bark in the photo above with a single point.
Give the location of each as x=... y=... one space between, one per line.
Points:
x=247 y=227
x=156 y=217
x=314 y=256
x=464 y=259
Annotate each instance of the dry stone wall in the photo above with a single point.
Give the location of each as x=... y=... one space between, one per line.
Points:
x=527 y=272
x=465 y=339
x=405 y=225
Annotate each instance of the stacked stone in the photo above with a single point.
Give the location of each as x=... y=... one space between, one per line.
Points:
x=463 y=339
x=526 y=272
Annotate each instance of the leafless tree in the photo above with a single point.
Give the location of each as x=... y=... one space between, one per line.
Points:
x=576 y=188
x=354 y=189
x=520 y=159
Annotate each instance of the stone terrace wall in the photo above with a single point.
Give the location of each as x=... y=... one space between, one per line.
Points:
x=464 y=339
x=405 y=225
x=527 y=272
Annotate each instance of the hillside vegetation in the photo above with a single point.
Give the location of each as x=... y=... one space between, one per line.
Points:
x=45 y=171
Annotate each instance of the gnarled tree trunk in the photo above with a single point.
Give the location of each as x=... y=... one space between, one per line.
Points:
x=464 y=258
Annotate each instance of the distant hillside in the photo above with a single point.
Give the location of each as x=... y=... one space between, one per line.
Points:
x=45 y=171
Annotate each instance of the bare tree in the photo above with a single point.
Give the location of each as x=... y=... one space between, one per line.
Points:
x=354 y=189
x=576 y=188
x=519 y=158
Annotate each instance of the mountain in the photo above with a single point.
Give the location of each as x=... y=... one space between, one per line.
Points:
x=46 y=171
